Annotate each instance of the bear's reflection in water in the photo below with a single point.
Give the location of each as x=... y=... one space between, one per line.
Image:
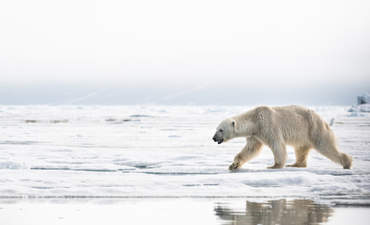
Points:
x=283 y=212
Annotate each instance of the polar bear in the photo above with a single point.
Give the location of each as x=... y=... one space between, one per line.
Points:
x=277 y=127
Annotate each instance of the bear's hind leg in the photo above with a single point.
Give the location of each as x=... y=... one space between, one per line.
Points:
x=301 y=154
x=331 y=152
x=251 y=150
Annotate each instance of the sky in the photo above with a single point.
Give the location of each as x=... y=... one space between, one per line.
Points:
x=184 y=52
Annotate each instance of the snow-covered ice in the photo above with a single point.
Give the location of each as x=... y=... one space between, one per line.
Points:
x=363 y=106
x=164 y=151
x=359 y=110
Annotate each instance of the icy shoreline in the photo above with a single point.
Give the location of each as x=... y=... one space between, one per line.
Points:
x=164 y=152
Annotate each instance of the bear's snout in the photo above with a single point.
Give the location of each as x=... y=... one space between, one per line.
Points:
x=214 y=138
x=217 y=139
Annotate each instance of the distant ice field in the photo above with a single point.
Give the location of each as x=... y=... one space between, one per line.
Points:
x=165 y=151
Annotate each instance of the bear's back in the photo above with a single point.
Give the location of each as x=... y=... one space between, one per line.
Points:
x=297 y=121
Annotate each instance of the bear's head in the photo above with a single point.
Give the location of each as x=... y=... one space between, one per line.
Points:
x=225 y=131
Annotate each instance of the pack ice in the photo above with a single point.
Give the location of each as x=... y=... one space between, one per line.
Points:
x=164 y=151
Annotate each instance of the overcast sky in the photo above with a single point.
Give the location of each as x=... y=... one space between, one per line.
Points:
x=184 y=52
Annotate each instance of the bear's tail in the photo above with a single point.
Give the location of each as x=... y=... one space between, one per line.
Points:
x=346 y=161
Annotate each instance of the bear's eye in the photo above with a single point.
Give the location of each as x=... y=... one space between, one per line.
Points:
x=221 y=130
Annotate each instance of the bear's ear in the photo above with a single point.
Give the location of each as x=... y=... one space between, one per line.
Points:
x=233 y=123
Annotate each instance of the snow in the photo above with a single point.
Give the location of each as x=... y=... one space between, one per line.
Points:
x=164 y=151
x=362 y=107
x=358 y=110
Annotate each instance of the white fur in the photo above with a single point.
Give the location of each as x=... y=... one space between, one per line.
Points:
x=277 y=127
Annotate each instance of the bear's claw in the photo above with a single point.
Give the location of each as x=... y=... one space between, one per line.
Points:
x=234 y=166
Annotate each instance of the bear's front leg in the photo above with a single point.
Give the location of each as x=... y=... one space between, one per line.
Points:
x=276 y=166
x=280 y=155
x=251 y=150
x=238 y=162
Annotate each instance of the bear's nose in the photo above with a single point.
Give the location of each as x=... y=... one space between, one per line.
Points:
x=214 y=138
